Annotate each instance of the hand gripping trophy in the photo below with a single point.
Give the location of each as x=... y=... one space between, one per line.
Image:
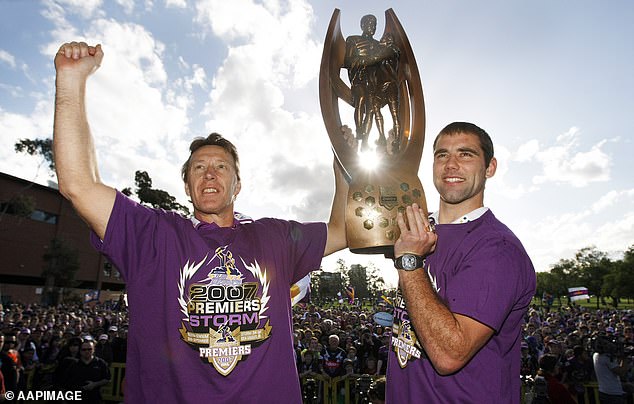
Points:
x=382 y=74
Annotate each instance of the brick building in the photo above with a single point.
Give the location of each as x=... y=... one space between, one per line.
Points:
x=31 y=216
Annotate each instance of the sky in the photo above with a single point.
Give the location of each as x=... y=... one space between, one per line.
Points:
x=551 y=82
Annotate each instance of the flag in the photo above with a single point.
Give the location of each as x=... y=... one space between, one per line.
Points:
x=91 y=296
x=350 y=293
x=578 y=293
x=300 y=291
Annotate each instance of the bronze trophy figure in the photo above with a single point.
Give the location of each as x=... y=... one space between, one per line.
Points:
x=382 y=73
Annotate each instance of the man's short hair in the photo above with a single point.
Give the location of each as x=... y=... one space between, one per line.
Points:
x=455 y=128
x=213 y=139
x=548 y=362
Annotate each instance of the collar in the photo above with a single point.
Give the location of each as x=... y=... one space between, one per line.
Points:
x=469 y=217
x=238 y=218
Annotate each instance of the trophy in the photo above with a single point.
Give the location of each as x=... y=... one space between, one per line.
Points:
x=382 y=173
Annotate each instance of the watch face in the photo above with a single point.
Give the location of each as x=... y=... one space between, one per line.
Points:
x=409 y=261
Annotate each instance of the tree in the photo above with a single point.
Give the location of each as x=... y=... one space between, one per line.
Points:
x=619 y=282
x=591 y=267
x=34 y=147
x=20 y=205
x=156 y=198
x=61 y=265
x=562 y=277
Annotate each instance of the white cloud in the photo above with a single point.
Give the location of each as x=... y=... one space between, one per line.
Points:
x=127 y=5
x=176 y=3
x=270 y=51
x=527 y=151
x=36 y=125
x=6 y=57
x=563 y=235
x=563 y=164
x=85 y=8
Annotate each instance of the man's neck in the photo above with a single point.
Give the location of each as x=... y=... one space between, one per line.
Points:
x=449 y=213
x=221 y=220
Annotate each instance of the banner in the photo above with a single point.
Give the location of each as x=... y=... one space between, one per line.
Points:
x=578 y=293
x=91 y=296
x=350 y=294
x=300 y=291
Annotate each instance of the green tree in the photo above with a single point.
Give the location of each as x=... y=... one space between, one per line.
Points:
x=619 y=282
x=156 y=198
x=591 y=267
x=35 y=147
x=562 y=277
x=61 y=264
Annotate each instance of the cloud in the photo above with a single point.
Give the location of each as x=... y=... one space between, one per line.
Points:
x=36 y=125
x=127 y=5
x=270 y=52
x=6 y=57
x=580 y=227
x=85 y=8
x=563 y=164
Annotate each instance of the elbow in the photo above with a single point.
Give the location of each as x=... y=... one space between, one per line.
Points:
x=448 y=364
x=67 y=189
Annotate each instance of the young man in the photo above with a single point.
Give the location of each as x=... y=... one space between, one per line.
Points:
x=464 y=287
x=88 y=373
x=209 y=298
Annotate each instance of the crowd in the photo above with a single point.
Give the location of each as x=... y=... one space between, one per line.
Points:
x=63 y=348
x=41 y=347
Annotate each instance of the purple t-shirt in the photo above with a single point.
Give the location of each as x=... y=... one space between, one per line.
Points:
x=209 y=306
x=480 y=270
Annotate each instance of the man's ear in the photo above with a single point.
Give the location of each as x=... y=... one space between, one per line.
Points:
x=187 y=189
x=237 y=190
x=493 y=165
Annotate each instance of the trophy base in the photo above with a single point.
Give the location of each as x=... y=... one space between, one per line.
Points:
x=374 y=202
x=386 y=250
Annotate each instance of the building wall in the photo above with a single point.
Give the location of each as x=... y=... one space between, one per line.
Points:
x=24 y=241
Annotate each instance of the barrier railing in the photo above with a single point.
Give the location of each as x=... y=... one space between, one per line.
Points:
x=113 y=391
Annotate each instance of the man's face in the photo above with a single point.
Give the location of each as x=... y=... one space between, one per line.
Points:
x=86 y=351
x=460 y=172
x=212 y=184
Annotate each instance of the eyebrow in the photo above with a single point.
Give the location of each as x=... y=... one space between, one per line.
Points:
x=460 y=149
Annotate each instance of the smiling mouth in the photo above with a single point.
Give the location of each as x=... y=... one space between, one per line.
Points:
x=210 y=191
x=454 y=179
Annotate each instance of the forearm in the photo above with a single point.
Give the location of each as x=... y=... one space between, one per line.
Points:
x=73 y=146
x=443 y=335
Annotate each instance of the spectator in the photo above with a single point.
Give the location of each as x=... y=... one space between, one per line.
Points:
x=557 y=392
x=333 y=357
x=9 y=360
x=103 y=349
x=577 y=371
x=67 y=356
x=88 y=374
x=608 y=368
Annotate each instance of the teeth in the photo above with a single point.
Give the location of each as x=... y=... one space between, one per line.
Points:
x=453 y=179
x=210 y=191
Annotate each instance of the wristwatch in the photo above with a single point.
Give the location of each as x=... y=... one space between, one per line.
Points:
x=409 y=262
